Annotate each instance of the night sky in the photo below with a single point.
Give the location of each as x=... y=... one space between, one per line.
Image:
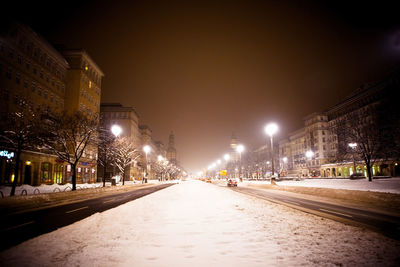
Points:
x=205 y=70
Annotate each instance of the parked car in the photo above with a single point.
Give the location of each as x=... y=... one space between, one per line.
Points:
x=208 y=180
x=231 y=182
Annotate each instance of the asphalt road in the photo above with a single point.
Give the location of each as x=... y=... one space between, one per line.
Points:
x=388 y=225
x=16 y=228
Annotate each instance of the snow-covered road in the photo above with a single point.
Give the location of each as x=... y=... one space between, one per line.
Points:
x=199 y=224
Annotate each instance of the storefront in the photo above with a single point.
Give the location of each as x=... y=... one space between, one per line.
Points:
x=384 y=169
x=37 y=168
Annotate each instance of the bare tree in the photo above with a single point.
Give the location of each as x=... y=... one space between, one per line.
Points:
x=19 y=131
x=69 y=134
x=125 y=154
x=106 y=150
x=362 y=128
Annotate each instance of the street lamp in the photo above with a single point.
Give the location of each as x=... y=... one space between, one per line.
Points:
x=116 y=130
x=353 y=148
x=284 y=159
x=309 y=155
x=271 y=129
x=146 y=150
x=240 y=149
x=227 y=158
x=160 y=159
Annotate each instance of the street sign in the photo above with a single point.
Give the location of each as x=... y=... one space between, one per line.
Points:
x=222 y=172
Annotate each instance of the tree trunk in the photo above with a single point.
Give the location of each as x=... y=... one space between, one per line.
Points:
x=369 y=172
x=16 y=172
x=104 y=175
x=123 y=177
x=73 y=177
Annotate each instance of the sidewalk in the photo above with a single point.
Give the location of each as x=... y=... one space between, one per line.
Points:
x=199 y=224
x=20 y=203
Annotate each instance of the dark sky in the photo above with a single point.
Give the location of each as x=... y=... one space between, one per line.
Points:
x=205 y=69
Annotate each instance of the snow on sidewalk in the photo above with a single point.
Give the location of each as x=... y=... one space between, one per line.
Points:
x=199 y=224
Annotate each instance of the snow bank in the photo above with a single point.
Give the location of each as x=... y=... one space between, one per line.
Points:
x=55 y=188
x=390 y=185
x=199 y=224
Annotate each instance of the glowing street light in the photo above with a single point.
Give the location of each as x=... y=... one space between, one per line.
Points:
x=309 y=155
x=240 y=148
x=270 y=130
x=116 y=130
x=160 y=158
x=227 y=157
x=353 y=148
x=284 y=159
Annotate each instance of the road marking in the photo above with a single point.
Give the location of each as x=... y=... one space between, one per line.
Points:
x=292 y=202
x=17 y=226
x=76 y=209
x=335 y=212
x=111 y=200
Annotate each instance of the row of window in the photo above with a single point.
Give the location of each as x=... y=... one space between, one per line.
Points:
x=55 y=175
x=34 y=86
x=38 y=55
x=89 y=97
x=116 y=115
x=57 y=103
x=18 y=80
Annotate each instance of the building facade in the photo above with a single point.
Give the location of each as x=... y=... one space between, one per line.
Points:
x=34 y=73
x=171 y=150
x=128 y=119
x=320 y=150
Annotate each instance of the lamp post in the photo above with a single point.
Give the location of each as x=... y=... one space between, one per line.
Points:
x=309 y=155
x=217 y=172
x=284 y=159
x=160 y=159
x=240 y=149
x=146 y=150
x=353 y=148
x=116 y=131
x=271 y=129
x=226 y=158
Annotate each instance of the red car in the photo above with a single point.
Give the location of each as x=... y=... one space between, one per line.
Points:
x=232 y=182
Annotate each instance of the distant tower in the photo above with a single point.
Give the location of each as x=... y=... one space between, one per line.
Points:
x=233 y=153
x=171 y=151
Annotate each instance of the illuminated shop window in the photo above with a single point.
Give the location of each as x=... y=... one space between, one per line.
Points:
x=45 y=172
